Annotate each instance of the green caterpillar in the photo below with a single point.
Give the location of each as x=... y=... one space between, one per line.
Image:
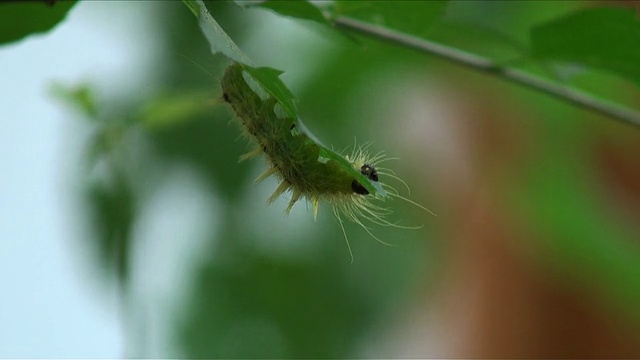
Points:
x=305 y=167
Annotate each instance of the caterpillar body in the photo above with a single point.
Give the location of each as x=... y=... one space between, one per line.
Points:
x=305 y=167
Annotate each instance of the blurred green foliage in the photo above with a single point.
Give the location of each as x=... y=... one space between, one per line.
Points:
x=410 y=17
x=612 y=47
x=248 y=303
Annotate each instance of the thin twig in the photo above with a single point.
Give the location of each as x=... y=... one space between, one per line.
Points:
x=562 y=92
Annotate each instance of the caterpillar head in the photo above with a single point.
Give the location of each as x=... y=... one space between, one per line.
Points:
x=370 y=172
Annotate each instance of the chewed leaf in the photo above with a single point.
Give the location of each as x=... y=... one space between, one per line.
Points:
x=218 y=39
x=221 y=43
x=269 y=79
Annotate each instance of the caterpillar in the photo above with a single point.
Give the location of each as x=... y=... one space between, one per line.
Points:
x=305 y=168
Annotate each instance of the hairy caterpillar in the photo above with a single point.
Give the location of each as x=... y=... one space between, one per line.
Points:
x=305 y=167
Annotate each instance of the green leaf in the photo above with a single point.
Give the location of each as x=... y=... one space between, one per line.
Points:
x=112 y=212
x=301 y=9
x=411 y=17
x=604 y=38
x=81 y=97
x=297 y=9
x=269 y=79
x=220 y=42
x=21 y=18
x=218 y=39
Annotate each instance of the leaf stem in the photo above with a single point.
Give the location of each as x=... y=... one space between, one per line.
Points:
x=559 y=91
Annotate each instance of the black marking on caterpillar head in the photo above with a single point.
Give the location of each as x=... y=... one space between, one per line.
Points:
x=370 y=172
x=225 y=97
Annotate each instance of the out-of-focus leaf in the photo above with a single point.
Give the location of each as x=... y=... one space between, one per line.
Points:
x=210 y=145
x=411 y=17
x=22 y=18
x=474 y=37
x=605 y=38
x=507 y=22
x=106 y=139
x=267 y=308
x=81 y=97
x=112 y=206
x=169 y=110
x=301 y=9
x=297 y=9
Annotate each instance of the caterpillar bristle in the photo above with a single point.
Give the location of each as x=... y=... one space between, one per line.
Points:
x=295 y=196
x=279 y=191
x=346 y=239
x=250 y=155
x=270 y=171
x=393 y=176
x=316 y=204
